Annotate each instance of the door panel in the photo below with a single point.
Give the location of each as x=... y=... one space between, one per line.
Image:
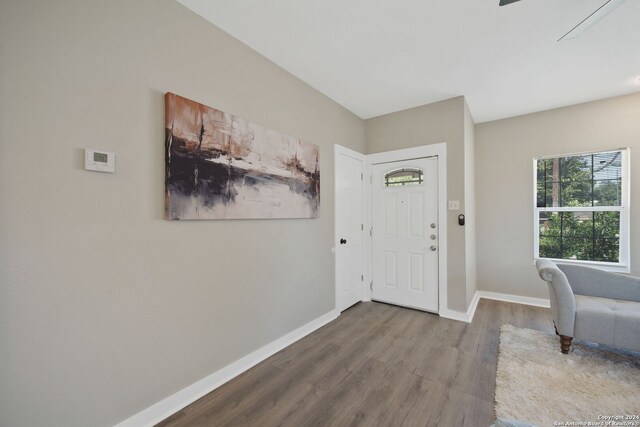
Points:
x=416 y=268
x=390 y=215
x=416 y=219
x=405 y=230
x=349 y=229
x=390 y=269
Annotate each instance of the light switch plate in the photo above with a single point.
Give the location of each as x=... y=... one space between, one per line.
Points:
x=454 y=205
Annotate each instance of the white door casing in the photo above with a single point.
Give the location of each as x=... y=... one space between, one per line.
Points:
x=405 y=236
x=349 y=227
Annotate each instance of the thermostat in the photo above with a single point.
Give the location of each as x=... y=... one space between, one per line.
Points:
x=99 y=161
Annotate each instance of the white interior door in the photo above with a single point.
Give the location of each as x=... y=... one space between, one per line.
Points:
x=349 y=218
x=405 y=233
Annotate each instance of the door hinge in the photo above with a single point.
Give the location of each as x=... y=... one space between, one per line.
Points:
x=361 y=227
x=361 y=176
x=370 y=179
x=362 y=277
x=371 y=232
x=371 y=286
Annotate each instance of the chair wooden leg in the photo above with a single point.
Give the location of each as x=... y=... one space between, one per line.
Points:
x=556 y=328
x=565 y=343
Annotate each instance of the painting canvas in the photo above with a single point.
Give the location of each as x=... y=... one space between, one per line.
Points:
x=220 y=166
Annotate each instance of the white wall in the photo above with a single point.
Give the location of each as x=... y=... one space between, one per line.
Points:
x=431 y=124
x=505 y=150
x=105 y=307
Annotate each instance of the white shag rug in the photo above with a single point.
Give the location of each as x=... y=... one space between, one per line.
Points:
x=537 y=384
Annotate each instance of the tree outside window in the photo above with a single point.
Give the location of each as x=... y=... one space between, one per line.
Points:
x=579 y=207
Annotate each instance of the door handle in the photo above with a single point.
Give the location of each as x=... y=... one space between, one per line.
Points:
x=343 y=241
x=433 y=247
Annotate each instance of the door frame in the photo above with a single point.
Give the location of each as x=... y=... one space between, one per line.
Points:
x=434 y=150
x=340 y=150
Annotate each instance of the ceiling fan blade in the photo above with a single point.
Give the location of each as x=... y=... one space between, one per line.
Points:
x=594 y=17
x=506 y=2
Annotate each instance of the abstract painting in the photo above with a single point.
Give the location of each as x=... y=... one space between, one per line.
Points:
x=220 y=166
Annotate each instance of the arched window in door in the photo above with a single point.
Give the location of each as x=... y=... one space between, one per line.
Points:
x=399 y=177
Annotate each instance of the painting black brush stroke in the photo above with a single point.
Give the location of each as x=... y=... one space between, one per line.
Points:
x=220 y=166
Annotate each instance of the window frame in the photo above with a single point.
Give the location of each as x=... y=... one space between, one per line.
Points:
x=623 y=266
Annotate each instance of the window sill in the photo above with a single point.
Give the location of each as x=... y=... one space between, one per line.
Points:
x=605 y=266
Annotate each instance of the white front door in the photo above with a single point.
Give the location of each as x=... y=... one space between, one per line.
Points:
x=349 y=236
x=405 y=233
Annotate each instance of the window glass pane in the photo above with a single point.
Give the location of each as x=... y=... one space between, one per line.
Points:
x=606 y=250
x=577 y=248
x=540 y=194
x=553 y=169
x=575 y=177
x=549 y=224
x=540 y=183
x=566 y=224
x=577 y=224
x=607 y=192
x=403 y=177
x=541 y=170
x=580 y=181
x=548 y=172
x=607 y=225
x=550 y=247
x=607 y=165
x=552 y=194
x=584 y=236
x=575 y=168
x=576 y=193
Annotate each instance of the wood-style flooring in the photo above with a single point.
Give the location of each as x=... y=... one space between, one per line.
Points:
x=376 y=364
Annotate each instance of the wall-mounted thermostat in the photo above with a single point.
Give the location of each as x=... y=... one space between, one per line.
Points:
x=99 y=161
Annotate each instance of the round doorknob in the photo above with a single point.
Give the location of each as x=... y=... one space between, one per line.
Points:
x=433 y=247
x=343 y=241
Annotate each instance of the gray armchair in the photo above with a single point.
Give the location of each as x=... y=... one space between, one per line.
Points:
x=593 y=305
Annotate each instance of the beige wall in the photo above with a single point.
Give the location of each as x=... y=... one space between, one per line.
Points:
x=470 y=204
x=105 y=307
x=505 y=150
x=431 y=124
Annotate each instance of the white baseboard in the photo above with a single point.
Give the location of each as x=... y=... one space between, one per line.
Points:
x=172 y=404
x=463 y=316
x=474 y=304
x=537 y=302
x=471 y=311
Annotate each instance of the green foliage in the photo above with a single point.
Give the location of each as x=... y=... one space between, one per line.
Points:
x=591 y=236
x=608 y=193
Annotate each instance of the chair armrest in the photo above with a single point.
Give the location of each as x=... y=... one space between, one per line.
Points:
x=598 y=283
x=563 y=303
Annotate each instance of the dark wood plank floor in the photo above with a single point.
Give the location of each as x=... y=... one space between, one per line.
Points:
x=376 y=364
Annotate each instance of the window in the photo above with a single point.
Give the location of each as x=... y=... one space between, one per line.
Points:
x=403 y=177
x=582 y=210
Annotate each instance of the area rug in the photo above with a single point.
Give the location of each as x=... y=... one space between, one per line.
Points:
x=537 y=384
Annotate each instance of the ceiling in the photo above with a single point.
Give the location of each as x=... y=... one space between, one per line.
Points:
x=379 y=56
